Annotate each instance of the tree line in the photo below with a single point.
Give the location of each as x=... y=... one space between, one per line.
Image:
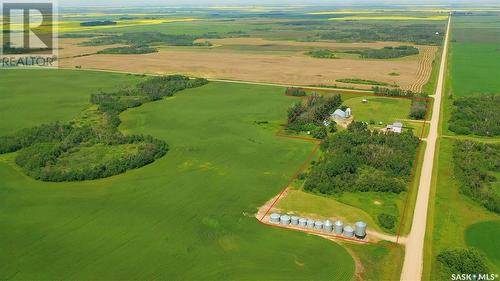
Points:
x=386 y=52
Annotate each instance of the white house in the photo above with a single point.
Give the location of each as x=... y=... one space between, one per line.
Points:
x=396 y=127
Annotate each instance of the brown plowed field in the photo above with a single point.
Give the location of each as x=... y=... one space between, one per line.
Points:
x=293 y=68
x=427 y=55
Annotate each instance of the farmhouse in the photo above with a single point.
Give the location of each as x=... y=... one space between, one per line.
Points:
x=396 y=127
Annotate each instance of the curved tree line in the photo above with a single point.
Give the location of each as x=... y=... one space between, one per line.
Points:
x=43 y=150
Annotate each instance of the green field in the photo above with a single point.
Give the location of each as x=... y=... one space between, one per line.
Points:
x=26 y=103
x=457 y=221
x=474 y=55
x=187 y=216
x=479 y=236
x=453 y=214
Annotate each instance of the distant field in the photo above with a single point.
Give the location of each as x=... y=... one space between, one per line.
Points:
x=187 y=216
x=395 y=17
x=474 y=55
x=263 y=67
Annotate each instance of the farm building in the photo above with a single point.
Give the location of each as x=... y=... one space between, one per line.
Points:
x=340 y=114
x=396 y=127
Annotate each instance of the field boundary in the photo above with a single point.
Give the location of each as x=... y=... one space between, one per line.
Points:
x=318 y=143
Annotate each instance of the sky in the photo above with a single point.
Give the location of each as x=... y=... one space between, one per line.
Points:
x=122 y=3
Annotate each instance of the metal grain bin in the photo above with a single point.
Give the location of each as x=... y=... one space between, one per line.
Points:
x=318 y=225
x=328 y=226
x=360 y=229
x=285 y=219
x=339 y=227
x=302 y=222
x=275 y=218
x=310 y=224
x=348 y=231
x=295 y=220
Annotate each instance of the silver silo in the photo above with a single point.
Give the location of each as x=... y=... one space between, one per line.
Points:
x=328 y=226
x=360 y=229
x=275 y=218
x=285 y=219
x=295 y=220
x=318 y=225
x=339 y=227
x=302 y=222
x=348 y=231
x=310 y=224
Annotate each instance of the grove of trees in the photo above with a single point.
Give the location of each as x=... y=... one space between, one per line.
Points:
x=310 y=114
x=463 y=261
x=475 y=166
x=360 y=160
x=476 y=115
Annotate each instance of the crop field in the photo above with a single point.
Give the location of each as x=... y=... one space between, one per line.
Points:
x=274 y=44
x=264 y=67
x=23 y=105
x=188 y=215
x=458 y=222
x=474 y=55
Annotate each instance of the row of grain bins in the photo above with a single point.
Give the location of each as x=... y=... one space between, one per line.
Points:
x=328 y=226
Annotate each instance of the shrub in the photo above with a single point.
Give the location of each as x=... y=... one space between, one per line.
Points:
x=295 y=92
x=463 y=261
x=386 y=221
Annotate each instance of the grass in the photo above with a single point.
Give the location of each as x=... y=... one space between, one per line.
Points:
x=187 y=216
x=321 y=207
x=77 y=158
x=381 y=256
x=379 y=109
